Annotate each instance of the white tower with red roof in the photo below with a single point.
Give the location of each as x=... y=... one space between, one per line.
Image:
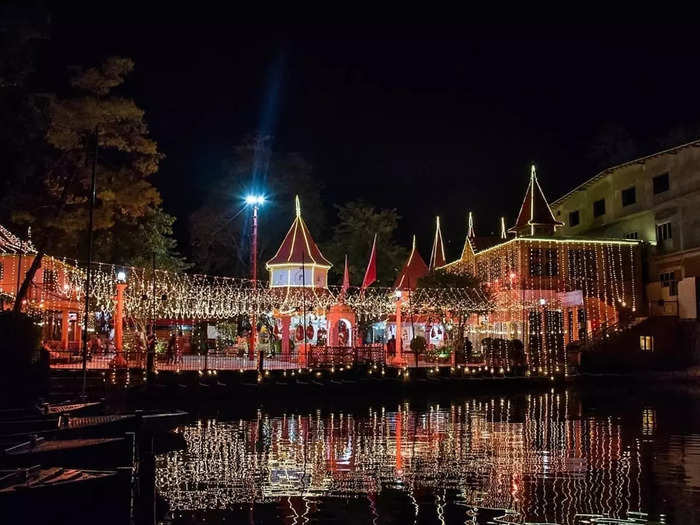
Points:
x=298 y=261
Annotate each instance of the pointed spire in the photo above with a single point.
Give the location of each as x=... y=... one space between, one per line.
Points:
x=414 y=269
x=470 y=229
x=503 y=228
x=298 y=246
x=437 y=256
x=535 y=214
x=346 y=278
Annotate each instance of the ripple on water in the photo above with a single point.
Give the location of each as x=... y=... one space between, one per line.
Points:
x=521 y=459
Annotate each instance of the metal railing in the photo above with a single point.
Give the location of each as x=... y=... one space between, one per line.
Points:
x=317 y=357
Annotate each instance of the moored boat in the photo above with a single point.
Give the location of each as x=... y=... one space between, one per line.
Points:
x=63 y=494
x=74 y=453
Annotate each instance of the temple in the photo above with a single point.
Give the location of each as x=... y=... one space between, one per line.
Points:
x=548 y=291
x=298 y=261
x=536 y=293
x=54 y=294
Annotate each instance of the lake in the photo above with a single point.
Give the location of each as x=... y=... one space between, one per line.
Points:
x=566 y=456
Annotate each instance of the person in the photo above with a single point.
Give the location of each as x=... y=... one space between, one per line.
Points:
x=150 y=351
x=94 y=345
x=170 y=350
x=178 y=347
x=391 y=346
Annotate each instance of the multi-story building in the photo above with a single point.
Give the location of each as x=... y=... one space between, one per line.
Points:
x=654 y=199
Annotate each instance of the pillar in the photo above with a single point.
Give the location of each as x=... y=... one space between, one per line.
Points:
x=64 y=329
x=118 y=326
x=398 y=359
x=302 y=355
x=286 y=321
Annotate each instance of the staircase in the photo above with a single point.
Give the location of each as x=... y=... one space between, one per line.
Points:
x=609 y=334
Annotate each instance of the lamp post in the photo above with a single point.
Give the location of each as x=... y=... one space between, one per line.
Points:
x=255 y=201
x=88 y=273
x=119 y=361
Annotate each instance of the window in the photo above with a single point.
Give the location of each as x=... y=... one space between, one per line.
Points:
x=629 y=196
x=599 y=208
x=574 y=218
x=632 y=235
x=664 y=232
x=2 y=272
x=661 y=183
x=668 y=280
x=543 y=262
x=646 y=343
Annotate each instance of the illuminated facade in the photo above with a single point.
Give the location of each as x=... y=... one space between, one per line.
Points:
x=298 y=261
x=54 y=293
x=548 y=290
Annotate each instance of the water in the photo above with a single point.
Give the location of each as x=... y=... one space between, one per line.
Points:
x=554 y=457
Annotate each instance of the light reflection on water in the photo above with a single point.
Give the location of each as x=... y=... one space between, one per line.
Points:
x=526 y=458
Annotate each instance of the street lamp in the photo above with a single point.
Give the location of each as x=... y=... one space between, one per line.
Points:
x=254 y=201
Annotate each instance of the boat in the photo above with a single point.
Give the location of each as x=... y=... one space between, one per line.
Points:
x=99 y=426
x=69 y=407
x=62 y=495
x=75 y=453
x=155 y=421
x=67 y=426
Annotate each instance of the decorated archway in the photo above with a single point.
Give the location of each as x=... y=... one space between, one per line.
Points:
x=342 y=324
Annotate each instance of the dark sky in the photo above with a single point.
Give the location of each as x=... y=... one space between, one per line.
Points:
x=429 y=120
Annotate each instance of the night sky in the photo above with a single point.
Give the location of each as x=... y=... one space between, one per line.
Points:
x=429 y=120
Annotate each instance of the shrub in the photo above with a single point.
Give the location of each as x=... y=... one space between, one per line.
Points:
x=418 y=344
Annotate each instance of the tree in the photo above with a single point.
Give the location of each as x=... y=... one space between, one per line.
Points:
x=442 y=278
x=358 y=222
x=129 y=222
x=220 y=230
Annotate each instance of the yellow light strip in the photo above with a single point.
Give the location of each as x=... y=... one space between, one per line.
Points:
x=306 y=241
x=557 y=223
x=280 y=248
x=631 y=242
x=296 y=265
x=294 y=238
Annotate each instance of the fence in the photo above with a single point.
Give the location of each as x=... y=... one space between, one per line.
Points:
x=317 y=357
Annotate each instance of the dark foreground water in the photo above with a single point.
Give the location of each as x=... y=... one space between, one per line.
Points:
x=562 y=457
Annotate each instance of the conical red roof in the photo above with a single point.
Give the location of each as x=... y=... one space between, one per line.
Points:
x=437 y=256
x=414 y=269
x=535 y=210
x=298 y=247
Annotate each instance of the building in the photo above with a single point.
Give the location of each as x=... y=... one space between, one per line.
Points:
x=54 y=293
x=550 y=290
x=654 y=199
